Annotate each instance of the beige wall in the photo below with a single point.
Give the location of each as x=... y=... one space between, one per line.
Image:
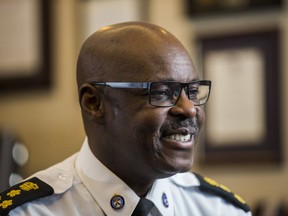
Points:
x=49 y=123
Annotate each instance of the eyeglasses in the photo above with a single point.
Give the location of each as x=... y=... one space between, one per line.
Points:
x=167 y=94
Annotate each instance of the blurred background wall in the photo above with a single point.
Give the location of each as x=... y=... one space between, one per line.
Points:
x=49 y=123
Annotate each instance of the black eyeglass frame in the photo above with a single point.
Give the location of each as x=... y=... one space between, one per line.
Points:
x=147 y=85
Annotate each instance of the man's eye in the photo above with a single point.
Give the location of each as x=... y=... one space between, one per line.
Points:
x=161 y=94
x=193 y=93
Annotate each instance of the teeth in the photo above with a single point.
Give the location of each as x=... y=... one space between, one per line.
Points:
x=180 y=137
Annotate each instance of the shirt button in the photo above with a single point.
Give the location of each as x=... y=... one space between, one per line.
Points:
x=62 y=177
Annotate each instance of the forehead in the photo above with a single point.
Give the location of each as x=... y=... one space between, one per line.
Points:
x=167 y=63
x=176 y=65
x=139 y=53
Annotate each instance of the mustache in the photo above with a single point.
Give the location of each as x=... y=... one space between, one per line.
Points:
x=187 y=123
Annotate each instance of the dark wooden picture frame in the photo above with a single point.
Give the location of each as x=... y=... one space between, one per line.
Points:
x=39 y=76
x=267 y=146
x=197 y=8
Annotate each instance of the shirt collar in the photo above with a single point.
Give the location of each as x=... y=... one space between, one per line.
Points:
x=161 y=195
x=104 y=185
x=187 y=179
x=161 y=192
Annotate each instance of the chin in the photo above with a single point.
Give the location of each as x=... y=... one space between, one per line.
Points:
x=171 y=159
x=171 y=168
x=181 y=162
x=185 y=168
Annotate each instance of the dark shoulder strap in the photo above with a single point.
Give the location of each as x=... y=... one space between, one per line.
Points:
x=210 y=186
x=23 y=192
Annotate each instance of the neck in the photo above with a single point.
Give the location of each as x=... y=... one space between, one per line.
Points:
x=140 y=187
x=137 y=180
x=138 y=176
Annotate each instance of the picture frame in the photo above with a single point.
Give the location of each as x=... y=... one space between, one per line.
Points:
x=200 y=8
x=25 y=45
x=243 y=115
x=92 y=15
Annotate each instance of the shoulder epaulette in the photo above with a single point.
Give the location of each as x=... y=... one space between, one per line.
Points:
x=211 y=186
x=23 y=192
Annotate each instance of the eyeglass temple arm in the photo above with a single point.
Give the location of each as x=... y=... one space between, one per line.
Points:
x=123 y=84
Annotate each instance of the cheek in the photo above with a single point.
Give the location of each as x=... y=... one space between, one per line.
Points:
x=152 y=120
x=200 y=115
x=146 y=131
x=140 y=134
x=151 y=124
x=138 y=120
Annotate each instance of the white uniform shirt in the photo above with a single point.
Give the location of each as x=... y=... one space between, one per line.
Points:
x=84 y=186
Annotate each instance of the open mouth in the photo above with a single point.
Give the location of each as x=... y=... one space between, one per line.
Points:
x=180 y=137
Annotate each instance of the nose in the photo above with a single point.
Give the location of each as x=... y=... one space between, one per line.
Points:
x=184 y=107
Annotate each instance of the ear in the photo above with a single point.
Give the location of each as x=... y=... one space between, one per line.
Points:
x=91 y=102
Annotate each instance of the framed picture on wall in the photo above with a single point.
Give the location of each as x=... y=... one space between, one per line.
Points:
x=24 y=45
x=243 y=122
x=92 y=15
x=198 y=8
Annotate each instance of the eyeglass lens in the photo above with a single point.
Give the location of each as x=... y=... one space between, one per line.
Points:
x=167 y=93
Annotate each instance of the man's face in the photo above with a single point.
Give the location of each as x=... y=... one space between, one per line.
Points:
x=160 y=141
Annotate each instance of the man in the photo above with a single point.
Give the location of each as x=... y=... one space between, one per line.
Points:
x=142 y=108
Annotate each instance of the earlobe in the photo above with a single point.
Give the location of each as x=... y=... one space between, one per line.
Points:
x=91 y=102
